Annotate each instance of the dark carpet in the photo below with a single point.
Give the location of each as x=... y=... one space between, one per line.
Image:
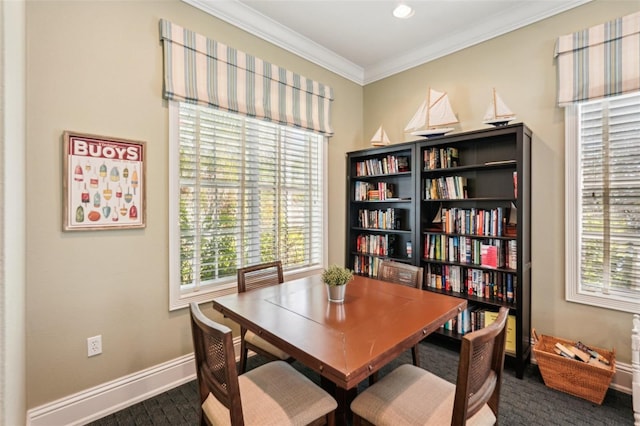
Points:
x=522 y=402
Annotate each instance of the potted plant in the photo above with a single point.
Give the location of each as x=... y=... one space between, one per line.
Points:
x=336 y=278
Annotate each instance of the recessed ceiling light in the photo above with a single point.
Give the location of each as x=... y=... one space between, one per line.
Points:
x=403 y=11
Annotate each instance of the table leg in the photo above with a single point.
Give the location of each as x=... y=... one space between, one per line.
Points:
x=343 y=397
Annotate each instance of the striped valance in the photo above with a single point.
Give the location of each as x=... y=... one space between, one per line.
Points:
x=599 y=61
x=204 y=71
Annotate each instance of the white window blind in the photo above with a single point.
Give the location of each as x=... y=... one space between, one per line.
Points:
x=603 y=214
x=249 y=192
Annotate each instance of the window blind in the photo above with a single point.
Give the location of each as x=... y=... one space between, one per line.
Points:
x=599 y=61
x=250 y=192
x=204 y=71
x=609 y=135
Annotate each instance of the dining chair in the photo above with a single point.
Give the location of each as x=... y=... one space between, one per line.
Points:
x=410 y=395
x=409 y=275
x=271 y=394
x=251 y=278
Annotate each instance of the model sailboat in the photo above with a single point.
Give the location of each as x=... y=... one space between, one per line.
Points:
x=433 y=113
x=498 y=113
x=380 y=138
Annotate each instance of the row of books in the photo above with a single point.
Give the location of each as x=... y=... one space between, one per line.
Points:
x=486 y=252
x=382 y=166
x=445 y=188
x=366 y=265
x=373 y=191
x=490 y=285
x=475 y=318
x=390 y=218
x=379 y=245
x=488 y=222
x=440 y=158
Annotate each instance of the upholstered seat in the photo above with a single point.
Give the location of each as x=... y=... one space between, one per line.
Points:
x=271 y=394
x=250 y=278
x=410 y=395
x=254 y=342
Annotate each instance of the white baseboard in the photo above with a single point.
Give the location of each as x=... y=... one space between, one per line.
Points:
x=108 y=398
x=94 y=403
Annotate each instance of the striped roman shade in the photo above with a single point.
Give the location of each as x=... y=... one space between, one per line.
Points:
x=600 y=61
x=204 y=71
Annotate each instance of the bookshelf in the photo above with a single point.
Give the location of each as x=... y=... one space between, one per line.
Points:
x=381 y=207
x=465 y=206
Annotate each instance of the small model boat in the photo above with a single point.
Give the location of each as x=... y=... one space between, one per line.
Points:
x=380 y=138
x=498 y=113
x=432 y=114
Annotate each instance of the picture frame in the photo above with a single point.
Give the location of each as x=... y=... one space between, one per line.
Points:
x=104 y=183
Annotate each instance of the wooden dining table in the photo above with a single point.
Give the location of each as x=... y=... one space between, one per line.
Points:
x=343 y=342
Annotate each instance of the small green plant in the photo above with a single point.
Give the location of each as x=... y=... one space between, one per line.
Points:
x=337 y=275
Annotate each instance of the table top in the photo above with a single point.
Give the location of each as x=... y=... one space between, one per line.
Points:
x=344 y=342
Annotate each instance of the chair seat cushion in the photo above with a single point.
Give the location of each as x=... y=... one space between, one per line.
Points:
x=274 y=394
x=252 y=338
x=410 y=395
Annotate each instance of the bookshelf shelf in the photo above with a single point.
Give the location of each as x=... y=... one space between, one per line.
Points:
x=385 y=231
x=487 y=171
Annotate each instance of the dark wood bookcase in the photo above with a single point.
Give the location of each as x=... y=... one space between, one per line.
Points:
x=381 y=211
x=459 y=207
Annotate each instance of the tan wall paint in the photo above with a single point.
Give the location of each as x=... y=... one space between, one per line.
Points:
x=12 y=223
x=521 y=67
x=96 y=67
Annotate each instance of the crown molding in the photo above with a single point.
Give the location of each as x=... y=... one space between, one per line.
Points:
x=238 y=14
x=523 y=14
x=248 y=19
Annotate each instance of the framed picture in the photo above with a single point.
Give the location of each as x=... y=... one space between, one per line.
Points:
x=104 y=183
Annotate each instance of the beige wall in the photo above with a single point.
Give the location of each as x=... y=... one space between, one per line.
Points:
x=96 y=67
x=521 y=67
x=12 y=223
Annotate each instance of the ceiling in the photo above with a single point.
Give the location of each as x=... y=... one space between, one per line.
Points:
x=362 y=41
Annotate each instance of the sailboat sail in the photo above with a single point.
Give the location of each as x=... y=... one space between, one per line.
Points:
x=440 y=112
x=498 y=111
x=435 y=111
x=380 y=138
x=419 y=119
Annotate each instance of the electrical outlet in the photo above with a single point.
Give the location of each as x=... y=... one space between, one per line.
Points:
x=94 y=345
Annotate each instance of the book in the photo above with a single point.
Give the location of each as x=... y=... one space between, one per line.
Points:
x=581 y=355
x=565 y=350
x=489 y=256
x=510 y=345
x=591 y=352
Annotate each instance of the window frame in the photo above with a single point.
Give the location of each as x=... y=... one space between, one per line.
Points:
x=178 y=299
x=574 y=291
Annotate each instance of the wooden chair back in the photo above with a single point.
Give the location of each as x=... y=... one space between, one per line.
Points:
x=480 y=370
x=251 y=278
x=401 y=273
x=258 y=276
x=215 y=364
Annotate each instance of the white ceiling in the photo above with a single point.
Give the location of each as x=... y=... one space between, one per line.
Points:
x=362 y=41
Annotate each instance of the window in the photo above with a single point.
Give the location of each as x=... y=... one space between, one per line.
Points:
x=603 y=202
x=242 y=191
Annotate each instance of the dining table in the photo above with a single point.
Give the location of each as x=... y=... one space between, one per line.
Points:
x=344 y=342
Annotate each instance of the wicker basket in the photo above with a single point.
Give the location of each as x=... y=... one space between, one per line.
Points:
x=572 y=376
